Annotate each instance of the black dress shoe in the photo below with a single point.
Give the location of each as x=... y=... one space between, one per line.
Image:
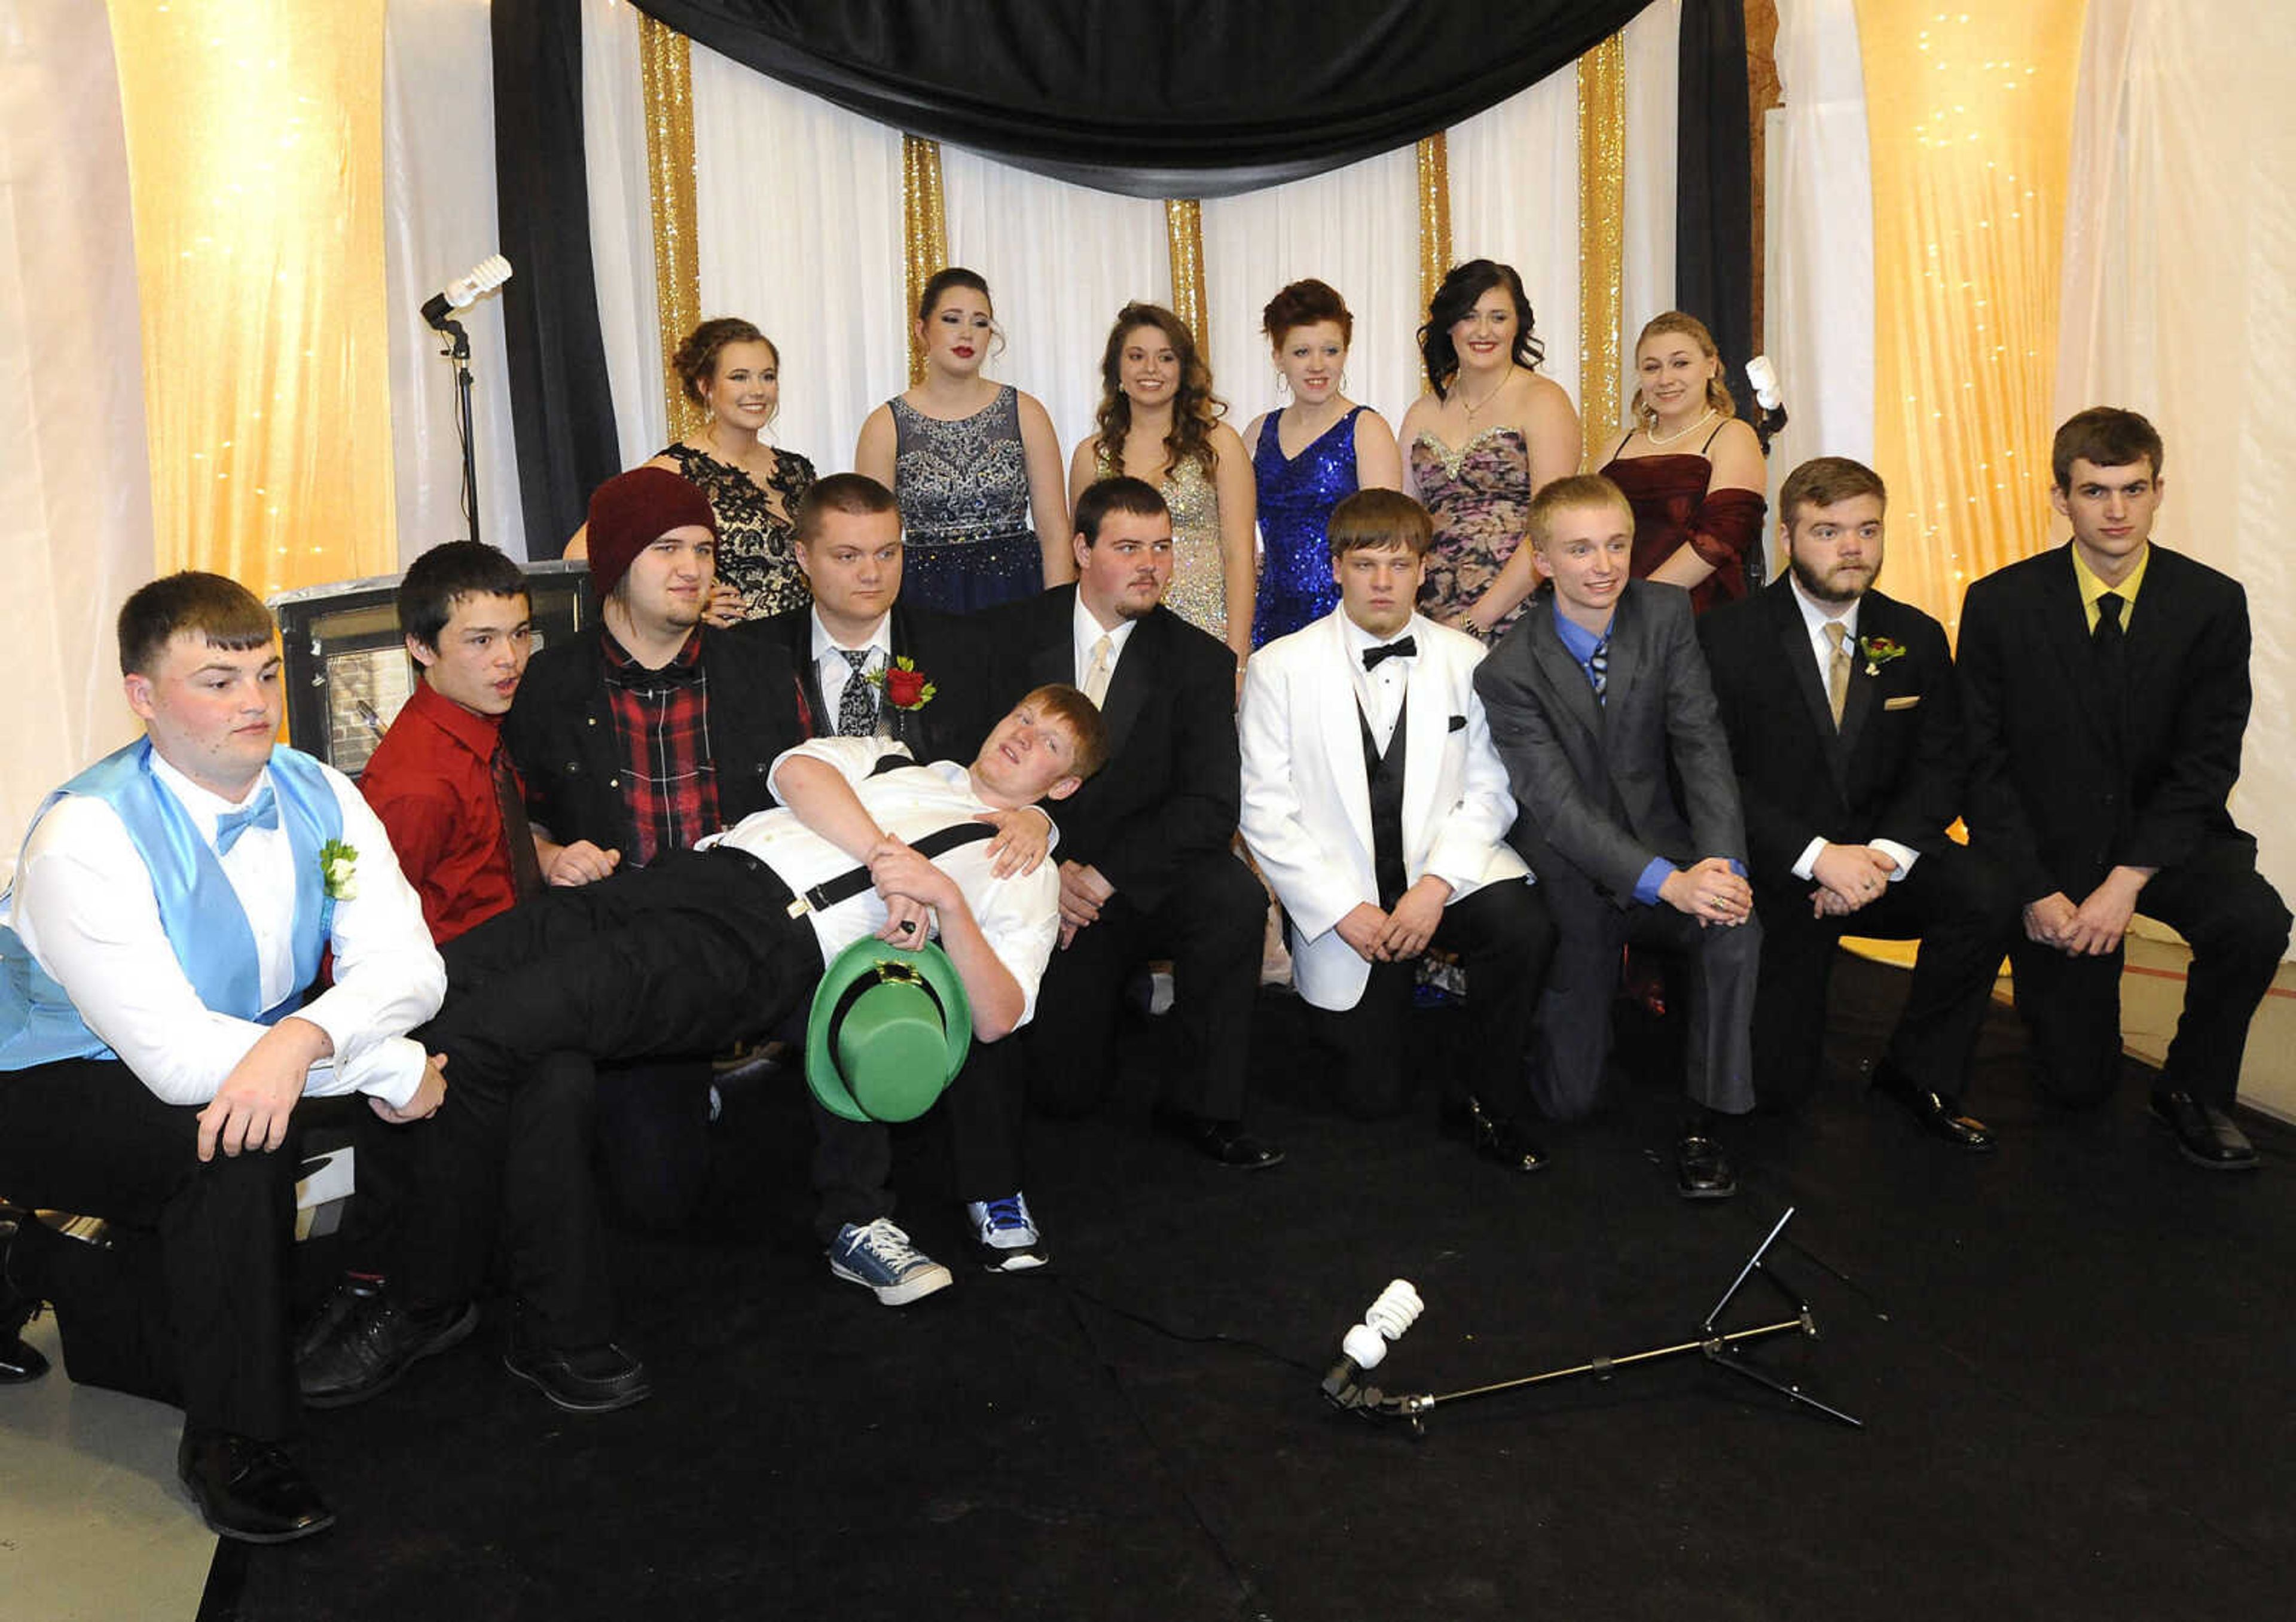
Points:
x=1225 y=1141
x=362 y=1340
x=19 y=1362
x=2205 y=1135
x=250 y=1490
x=1701 y=1170
x=1503 y=1142
x=580 y=1380
x=1934 y=1111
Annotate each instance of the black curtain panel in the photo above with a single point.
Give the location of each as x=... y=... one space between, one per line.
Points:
x=1714 y=184
x=561 y=412
x=1180 y=98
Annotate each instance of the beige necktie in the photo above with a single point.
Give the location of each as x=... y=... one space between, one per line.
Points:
x=1096 y=679
x=1837 y=673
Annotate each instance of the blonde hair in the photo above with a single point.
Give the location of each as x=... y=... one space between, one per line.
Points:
x=1674 y=322
x=1579 y=490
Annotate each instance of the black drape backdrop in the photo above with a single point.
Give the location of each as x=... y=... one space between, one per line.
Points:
x=561 y=412
x=1180 y=98
x=1187 y=98
x=1714 y=181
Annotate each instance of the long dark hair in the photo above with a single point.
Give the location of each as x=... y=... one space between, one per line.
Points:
x=1195 y=408
x=1463 y=286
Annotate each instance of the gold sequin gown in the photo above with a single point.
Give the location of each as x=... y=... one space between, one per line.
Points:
x=1198 y=590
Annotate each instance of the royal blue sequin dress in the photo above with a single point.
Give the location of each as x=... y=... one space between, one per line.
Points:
x=1297 y=495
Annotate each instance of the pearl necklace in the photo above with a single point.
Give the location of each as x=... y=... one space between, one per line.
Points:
x=1650 y=433
x=1473 y=411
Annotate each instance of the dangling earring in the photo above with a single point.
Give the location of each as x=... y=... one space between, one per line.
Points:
x=1282 y=387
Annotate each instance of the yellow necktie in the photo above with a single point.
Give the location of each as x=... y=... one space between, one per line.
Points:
x=1096 y=679
x=1837 y=673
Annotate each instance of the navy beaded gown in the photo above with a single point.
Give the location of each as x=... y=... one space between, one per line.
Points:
x=1297 y=495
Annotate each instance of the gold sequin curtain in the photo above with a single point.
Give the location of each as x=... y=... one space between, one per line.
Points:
x=666 y=72
x=1184 y=225
x=255 y=169
x=1434 y=214
x=1601 y=227
x=1970 y=118
x=924 y=232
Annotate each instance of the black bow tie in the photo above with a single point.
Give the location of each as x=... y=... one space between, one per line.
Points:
x=1402 y=648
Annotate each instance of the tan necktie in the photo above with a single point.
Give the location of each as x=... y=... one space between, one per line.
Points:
x=1837 y=673
x=1096 y=679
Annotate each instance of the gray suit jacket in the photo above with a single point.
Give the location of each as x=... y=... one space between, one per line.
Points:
x=1597 y=797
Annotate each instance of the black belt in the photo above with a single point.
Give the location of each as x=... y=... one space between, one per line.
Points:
x=844 y=886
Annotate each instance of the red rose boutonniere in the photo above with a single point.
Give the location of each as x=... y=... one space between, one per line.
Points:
x=1879 y=651
x=904 y=685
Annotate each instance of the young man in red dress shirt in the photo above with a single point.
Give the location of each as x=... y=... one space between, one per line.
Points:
x=443 y=785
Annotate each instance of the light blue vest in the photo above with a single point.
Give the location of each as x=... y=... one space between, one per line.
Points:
x=198 y=907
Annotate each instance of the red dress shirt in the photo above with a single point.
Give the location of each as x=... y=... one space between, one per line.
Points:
x=431 y=782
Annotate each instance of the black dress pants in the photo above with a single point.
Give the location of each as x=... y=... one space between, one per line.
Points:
x=682 y=958
x=1210 y=925
x=2237 y=927
x=1958 y=909
x=187 y=1303
x=1503 y=939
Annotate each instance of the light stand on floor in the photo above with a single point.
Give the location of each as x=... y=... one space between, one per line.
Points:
x=1398 y=1307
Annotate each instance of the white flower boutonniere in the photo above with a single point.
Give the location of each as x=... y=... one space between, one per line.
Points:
x=339 y=866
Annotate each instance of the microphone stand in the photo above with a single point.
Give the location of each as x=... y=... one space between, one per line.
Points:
x=1718 y=1346
x=458 y=350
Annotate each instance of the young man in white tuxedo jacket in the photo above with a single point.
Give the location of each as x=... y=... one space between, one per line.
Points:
x=1377 y=807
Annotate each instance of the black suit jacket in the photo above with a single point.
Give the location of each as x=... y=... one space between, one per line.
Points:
x=2061 y=787
x=1893 y=770
x=948 y=649
x=1605 y=787
x=560 y=732
x=1171 y=788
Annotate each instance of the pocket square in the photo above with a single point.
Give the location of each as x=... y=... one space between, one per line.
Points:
x=1458 y=724
x=1904 y=702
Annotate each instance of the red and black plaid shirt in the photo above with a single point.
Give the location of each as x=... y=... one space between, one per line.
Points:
x=661 y=720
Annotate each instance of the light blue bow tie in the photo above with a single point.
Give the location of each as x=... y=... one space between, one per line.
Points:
x=231 y=825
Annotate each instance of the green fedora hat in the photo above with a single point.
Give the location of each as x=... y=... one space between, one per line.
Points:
x=889 y=1030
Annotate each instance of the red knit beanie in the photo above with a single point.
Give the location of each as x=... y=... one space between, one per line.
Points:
x=631 y=511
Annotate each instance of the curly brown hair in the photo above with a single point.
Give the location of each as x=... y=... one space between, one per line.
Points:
x=696 y=361
x=1195 y=408
x=1718 y=392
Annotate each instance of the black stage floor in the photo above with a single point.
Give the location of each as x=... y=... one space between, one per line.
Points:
x=2072 y=1359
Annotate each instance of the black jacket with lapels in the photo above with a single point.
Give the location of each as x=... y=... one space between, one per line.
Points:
x=947 y=650
x=1893 y=770
x=561 y=733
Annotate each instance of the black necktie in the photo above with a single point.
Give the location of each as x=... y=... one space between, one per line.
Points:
x=2110 y=643
x=856 y=709
x=518 y=834
x=1402 y=648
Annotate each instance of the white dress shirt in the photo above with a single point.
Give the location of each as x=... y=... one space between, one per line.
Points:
x=1380 y=692
x=1088 y=631
x=1816 y=617
x=834 y=670
x=84 y=909
x=1019 y=917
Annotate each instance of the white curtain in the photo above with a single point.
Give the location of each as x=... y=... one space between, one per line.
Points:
x=622 y=231
x=75 y=479
x=2180 y=289
x=1514 y=198
x=798 y=207
x=1646 y=278
x=1060 y=261
x=439 y=220
x=1357 y=228
x=1818 y=309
